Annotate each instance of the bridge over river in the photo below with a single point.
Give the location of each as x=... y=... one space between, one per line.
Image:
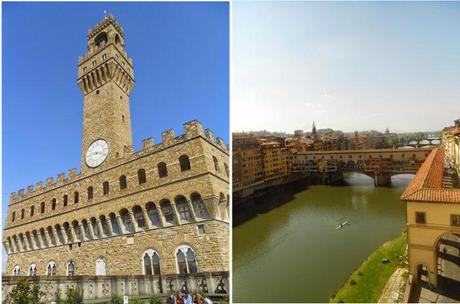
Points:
x=380 y=164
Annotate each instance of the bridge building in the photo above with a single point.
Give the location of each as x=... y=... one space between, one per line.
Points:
x=131 y=222
x=380 y=164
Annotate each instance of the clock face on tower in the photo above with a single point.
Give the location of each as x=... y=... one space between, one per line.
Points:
x=97 y=153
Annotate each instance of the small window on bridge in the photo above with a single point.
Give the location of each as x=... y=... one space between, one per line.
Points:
x=413 y=155
x=332 y=156
x=322 y=156
x=420 y=217
x=360 y=156
x=340 y=156
x=380 y=155
x=402 y=155
x=349 y=156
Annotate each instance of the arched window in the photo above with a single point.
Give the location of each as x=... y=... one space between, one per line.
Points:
x=96 y=231
x=67 y=232
x=183 y=209
x=200 y=208
x=90 y=192
x=100 y=267
x=126 y=219
x=162 y=170
x=104 y=225
x=184 y=162
x=100 y=39
x=114 y=222
x=22 y=214
x=139 y=217
x=141 y=176
x=168 y=211
x=71 y=268
x=42 y=207
x=53 y=204
x=186 y=260
x=13 y=216
x=117 y=39
x=105 y=188
x=216 y=164
x=77 y=230
x=32 y=209
x=123 y=183
x=16 y=270
x=51 y=269
x=36 y=238
x=32 y=270
x=65 y=200
x=52 y=235
x=151 y=262
x=76 y=197
x=59 y=233
x=227 y=172
x=152 y=212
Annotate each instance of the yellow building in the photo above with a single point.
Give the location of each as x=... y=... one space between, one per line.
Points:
x=247 y=161
x=433 y=227
x=273 y=161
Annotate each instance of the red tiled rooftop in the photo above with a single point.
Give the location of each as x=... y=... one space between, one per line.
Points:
x=427 y=183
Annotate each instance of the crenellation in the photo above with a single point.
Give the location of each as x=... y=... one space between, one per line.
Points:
x=168 y=136
x=128 y=150
x=39 y=186
x=72 y=174
x=210 y=135
x=147 y=143
x=30 y=189
x=60 y=178
x=49 y=182
x=193 y=128
x=21 y=192
x=13 y=197
x=221 y=143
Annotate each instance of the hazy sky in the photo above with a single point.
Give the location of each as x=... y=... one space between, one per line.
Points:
x=345 y=65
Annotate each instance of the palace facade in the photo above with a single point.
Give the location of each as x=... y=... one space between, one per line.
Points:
x=131 y=222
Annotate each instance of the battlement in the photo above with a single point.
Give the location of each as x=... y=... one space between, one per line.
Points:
x=40 y=187
x=191 y=129
x=103 y=24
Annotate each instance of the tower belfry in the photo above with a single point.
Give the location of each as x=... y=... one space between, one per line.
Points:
x=105 y=77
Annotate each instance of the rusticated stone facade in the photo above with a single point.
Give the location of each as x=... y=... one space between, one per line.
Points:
x=162 y=210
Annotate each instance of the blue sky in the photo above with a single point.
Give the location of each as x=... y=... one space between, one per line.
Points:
x=181 y=65
x=345 y=65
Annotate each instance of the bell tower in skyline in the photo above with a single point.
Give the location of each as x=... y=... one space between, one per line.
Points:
x=106 y=78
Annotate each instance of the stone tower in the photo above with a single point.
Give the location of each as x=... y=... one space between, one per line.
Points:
x=106 y=77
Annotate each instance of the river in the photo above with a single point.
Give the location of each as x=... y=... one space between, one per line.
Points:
x=294 y=253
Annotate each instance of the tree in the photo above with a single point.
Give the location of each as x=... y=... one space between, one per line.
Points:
x=156 y=299
x=73 y=296
x=115 y=299
x=23 y=293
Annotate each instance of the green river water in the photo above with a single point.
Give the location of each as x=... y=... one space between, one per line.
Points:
x=294 y=253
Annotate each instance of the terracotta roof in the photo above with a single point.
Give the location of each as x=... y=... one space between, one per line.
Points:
x=427 y=183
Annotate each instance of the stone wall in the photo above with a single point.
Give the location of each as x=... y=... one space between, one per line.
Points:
x=96 y=289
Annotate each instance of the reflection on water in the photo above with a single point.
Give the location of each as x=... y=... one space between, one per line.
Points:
x=294 y=253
